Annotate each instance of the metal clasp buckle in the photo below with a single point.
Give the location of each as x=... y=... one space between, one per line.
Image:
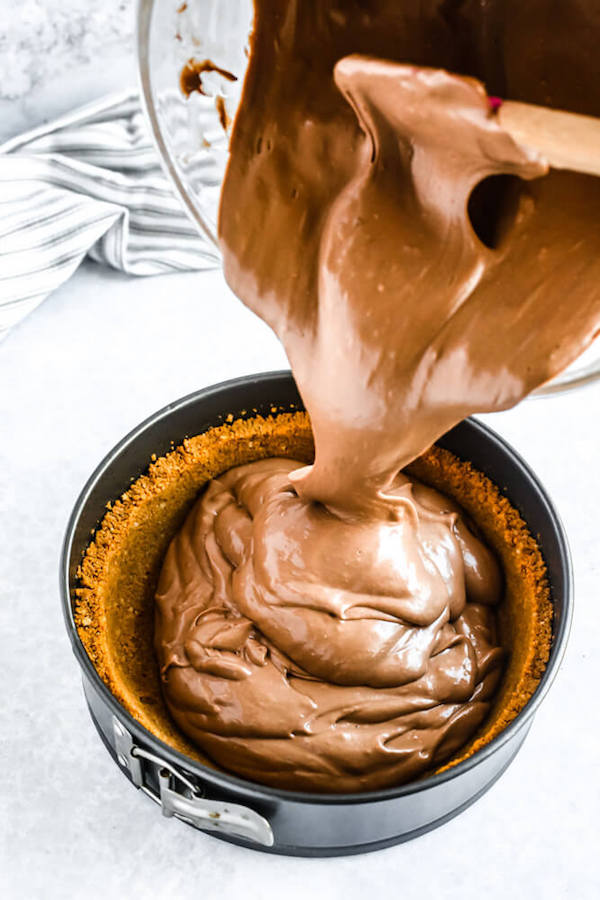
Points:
x=188 y=805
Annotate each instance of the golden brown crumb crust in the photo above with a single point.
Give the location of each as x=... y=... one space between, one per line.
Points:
x=114 y=602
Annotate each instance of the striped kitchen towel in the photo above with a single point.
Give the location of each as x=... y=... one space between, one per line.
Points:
x=89 y=183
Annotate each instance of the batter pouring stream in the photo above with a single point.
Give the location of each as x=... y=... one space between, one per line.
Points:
x=332 y=626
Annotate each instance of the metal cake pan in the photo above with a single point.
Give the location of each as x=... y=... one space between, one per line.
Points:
x=280 y=821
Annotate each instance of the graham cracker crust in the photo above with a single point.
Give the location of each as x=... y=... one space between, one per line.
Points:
x=114 y=601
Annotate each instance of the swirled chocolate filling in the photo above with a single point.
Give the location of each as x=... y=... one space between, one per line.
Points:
x=306 y=650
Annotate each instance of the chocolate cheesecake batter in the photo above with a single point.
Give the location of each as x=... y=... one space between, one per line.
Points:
x=310 y=651
x=331 y=626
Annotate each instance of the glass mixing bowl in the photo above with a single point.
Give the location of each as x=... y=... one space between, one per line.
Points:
x=189 y=132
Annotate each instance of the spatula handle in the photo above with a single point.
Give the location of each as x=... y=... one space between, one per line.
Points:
x=566 y=140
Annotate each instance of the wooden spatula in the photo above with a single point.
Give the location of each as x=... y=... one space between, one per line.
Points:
x=566 y=140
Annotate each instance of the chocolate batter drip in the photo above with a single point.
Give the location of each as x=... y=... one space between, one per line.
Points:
x=312 y=624
x=190 y=78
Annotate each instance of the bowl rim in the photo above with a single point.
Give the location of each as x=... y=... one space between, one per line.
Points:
x=143 y=24
x=264 y=792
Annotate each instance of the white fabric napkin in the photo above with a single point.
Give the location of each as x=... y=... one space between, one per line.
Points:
x=89 y=183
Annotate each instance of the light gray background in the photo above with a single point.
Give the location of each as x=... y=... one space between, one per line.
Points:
x=95 y=359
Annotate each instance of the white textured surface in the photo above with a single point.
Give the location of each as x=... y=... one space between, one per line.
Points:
x=58 y=54
x=94 y=360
